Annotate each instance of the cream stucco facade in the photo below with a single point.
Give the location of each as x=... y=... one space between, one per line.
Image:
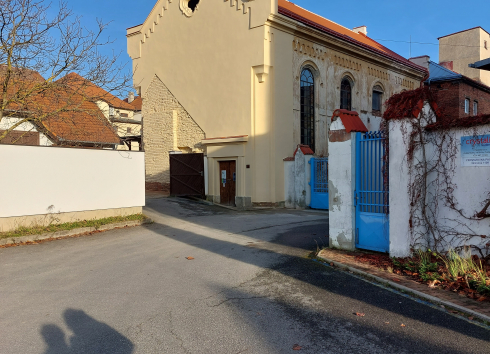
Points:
x=234 y=68
x=466 y=47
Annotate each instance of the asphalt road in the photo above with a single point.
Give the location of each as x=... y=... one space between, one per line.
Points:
x=249 y=289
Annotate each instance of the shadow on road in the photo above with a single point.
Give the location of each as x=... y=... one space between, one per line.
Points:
x=89 y=336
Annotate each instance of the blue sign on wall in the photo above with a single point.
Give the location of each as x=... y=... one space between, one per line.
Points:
x=475 y=151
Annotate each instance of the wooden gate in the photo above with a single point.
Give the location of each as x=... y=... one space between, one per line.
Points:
x=187 y=175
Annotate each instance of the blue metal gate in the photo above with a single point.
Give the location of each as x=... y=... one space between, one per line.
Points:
x=319 y=183
x=372 y=194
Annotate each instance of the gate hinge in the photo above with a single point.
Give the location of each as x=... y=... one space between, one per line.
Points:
x=355 y=198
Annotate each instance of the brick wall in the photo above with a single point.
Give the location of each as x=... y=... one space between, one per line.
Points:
x=165 y=124
x=450 y=97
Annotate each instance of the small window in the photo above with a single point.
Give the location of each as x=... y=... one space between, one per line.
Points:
x=124 y=115
x=475 y=108
x=485 y=44
x=345 y=95
x=377 y=99
x=467 y=105
x=128 y=130
x=111 y=111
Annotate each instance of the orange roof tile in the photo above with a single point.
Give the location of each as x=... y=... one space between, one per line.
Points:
x=308 y=18
x=94 y=92
x=350 y=119
x=137 y=103
x=62 y=114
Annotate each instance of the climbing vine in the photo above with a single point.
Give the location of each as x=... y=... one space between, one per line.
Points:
x=437 y=219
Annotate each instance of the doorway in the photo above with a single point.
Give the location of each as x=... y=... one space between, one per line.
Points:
x=227 y=187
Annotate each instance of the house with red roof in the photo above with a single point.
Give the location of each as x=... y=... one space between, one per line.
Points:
x=246 y=82
x=38 y=112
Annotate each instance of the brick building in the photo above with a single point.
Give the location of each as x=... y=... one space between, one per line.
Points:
x=456 y=94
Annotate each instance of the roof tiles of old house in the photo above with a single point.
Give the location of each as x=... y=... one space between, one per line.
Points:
x=350 y=119
x=137 y=103
x=67 y=118
x=305 y=149
x=94 y=92
x=63 y=115
x=308 y=18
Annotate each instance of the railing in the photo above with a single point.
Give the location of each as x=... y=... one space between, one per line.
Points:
x=372 y=194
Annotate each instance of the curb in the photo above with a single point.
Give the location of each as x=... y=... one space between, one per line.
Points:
x=69 y=233
x=402 y=288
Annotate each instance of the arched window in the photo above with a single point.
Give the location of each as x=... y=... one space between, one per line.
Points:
x=345 y=95
x=308 y=109
x=377 y=99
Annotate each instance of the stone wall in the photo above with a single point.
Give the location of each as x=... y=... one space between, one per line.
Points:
x=166 y=127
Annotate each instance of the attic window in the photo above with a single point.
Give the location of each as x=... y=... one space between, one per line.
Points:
x=188 y=7
x=193 y=4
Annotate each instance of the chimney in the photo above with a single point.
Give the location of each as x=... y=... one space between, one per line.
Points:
x=423 y=60
x=131 y=97
x=361 y=29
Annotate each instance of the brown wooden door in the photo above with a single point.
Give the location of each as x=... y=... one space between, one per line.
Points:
x=227 y=175
x=187 y=175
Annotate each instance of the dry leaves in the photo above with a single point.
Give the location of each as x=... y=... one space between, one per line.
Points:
x=189 y=258
x=402 y=325
x=360 y=314
x=297 y=347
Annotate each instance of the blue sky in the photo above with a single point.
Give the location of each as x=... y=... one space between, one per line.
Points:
x=392 y=20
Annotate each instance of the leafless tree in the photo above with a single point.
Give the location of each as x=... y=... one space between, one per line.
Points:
x=37 y=51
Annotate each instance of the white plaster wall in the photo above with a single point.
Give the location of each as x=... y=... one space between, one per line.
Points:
x=399 y=197
x=69 y=180
x=308 y=180
x=290 y=199
x=340 y=188
x=472 y=187
x=6 y=123
x=300 y=184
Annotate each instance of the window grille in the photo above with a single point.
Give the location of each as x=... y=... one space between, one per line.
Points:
x=308 y=108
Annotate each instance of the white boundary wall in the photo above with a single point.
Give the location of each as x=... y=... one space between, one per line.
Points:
x=36 y=180
x=472 y=188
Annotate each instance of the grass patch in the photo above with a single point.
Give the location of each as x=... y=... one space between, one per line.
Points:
x=97 y=223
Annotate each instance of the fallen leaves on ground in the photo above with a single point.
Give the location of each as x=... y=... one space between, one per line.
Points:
x=189 y=258
x=360 y=314
x=297 y=347
x=402 y=325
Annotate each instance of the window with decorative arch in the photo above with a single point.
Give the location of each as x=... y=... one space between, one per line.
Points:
x=307 y=84
x=377 y=99
x=346 y=94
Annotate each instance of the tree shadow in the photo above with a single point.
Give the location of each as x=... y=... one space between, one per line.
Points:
x=89 y=336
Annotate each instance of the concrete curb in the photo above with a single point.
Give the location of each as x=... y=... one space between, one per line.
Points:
x=69 y=233
x=402 y=288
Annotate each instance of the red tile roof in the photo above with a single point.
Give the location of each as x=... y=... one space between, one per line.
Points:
x=350 y=119
x=137 y=103
x=93 y=92
x=59 y=112
x=308 y=18
x=305 y=149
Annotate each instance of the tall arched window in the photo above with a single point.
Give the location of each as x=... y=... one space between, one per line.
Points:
x=345 y=95
x=308 y=108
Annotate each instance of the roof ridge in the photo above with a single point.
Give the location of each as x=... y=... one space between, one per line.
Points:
x=313 y=13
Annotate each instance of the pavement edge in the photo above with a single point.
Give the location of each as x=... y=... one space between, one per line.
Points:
x=405 y=289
